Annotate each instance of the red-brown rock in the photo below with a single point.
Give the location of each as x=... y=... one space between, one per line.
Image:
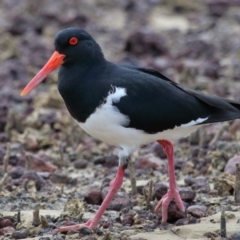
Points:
x=94 y=196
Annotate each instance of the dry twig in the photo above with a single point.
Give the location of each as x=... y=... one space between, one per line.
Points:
x=132 y=176
x=219 y=133
x=3 y=180
x=19 y=216
x=9 y=123
x=237 y=185
x=44 y=222
x=25 y=184
x=36 y=219
x=28 y=162
x=6 y=158
x=148 y=194
x=223 y=230
x=61 y=157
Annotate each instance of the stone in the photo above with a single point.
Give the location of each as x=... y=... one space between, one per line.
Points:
x=20 y=234
x=197 y=211
x=93 y=196
x=230 y=167
x=80 y=164
x=160 y=189
x=174 y=214
x=128 y=219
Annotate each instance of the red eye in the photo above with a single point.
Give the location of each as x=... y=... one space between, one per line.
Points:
x=73 y=41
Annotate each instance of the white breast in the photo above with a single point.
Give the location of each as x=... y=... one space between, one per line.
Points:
x=107 y=124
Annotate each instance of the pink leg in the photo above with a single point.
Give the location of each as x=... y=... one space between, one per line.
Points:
x=172 y=193
x=115 y=184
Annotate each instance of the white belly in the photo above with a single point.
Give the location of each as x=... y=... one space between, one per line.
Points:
x=107 y=124
x=117 y=135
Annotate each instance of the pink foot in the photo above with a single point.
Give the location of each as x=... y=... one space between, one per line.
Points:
x=89 y=224
x=115 y=184
x=171 y=195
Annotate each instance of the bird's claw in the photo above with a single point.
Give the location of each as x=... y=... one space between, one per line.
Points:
x=89 y=224
x=164 y=203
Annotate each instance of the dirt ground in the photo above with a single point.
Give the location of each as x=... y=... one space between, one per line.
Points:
x=53 y=174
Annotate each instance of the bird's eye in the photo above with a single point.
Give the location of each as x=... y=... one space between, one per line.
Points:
x=73 y=41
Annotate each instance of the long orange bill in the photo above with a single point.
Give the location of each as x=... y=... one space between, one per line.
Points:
x=55 y=61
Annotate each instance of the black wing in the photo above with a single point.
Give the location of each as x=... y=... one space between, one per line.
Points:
x=154 y=103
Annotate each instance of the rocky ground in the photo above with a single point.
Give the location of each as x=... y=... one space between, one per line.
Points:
x=52 y=174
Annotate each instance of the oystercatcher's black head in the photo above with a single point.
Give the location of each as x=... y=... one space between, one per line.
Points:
x=73 y=46
x=77 y=46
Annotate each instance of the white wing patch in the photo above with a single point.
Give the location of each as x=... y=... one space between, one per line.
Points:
x=194 y=122
x=115 y=94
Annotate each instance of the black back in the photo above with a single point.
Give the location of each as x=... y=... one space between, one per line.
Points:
x=153 y=102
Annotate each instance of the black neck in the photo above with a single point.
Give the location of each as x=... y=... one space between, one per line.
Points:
x=79 y=86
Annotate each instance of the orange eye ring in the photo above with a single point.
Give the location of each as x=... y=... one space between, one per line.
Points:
x=73 y=41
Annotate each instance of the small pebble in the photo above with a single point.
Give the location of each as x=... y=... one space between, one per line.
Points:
x=230 y=167
x=187 y=194
x=23 y=233
x=80 y=164
x=98 y=232
x=181 y=222
x=193 y=220
x=105 y=224
x=199 y=184
x=211 y=235
x=7 y=230
x=160 y=189
x=107 y=161
x=93 y=196
x=197 y=211
x=128 y=220
x=5 y=223
x=235 y=236
x=85 y=231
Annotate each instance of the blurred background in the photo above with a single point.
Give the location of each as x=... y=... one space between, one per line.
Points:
x=195 y=43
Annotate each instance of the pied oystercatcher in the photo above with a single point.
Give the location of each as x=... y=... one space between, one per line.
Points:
x=127 y=106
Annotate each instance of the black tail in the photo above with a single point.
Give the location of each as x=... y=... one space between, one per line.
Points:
x=222 y=109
